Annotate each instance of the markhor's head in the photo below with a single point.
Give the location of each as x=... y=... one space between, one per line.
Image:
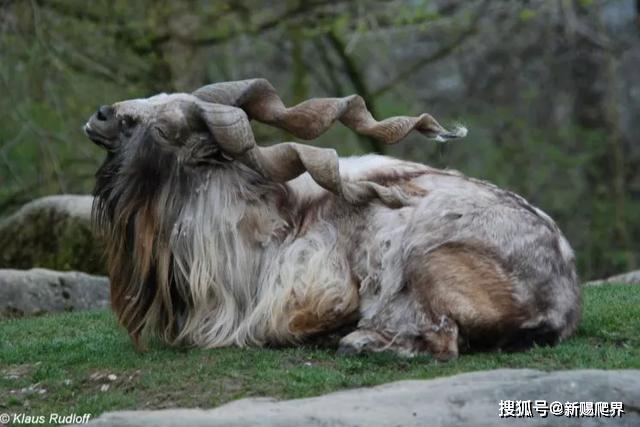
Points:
x=176 y=123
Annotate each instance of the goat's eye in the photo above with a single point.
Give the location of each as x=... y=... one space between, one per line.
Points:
x=127 y=123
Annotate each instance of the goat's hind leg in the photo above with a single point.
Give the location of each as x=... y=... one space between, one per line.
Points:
x=400 y=323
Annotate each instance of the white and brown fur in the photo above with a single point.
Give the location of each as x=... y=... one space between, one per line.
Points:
x=214 y=254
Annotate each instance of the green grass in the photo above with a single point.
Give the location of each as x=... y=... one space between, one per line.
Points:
x=70 y=356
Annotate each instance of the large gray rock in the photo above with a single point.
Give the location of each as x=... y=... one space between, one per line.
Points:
x=52 y=232
x=463 y=400
x=631 y=278
x=38 y=291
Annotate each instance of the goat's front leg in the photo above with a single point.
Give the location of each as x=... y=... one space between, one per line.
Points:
x=362 y=341
x=439 y=341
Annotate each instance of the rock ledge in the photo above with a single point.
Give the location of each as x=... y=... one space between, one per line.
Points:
x=39 y=291
x=470 y=399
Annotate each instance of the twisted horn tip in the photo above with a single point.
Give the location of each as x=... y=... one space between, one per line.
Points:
x=457 y=132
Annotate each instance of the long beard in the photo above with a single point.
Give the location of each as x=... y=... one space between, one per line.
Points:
x=185 y=251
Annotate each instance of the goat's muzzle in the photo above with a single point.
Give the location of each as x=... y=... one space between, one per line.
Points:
x=102 y=128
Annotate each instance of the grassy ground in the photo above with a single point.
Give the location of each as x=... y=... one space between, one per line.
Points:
x=67 y=363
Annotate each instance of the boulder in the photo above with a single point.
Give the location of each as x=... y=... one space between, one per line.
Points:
x=39 y=291
x=471 y=399
x=631 y=278
x=52 y=232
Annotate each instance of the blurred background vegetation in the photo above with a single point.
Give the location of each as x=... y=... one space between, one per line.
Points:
x=550 y=89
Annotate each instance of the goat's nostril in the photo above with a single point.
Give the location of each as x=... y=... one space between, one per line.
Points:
x=104 y=113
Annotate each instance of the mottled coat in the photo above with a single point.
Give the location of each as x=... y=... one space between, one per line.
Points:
x=215 y=241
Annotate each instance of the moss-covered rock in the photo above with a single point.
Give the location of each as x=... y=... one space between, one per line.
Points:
x=52 y=232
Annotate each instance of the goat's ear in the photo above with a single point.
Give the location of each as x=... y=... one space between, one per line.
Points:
x=229 y=127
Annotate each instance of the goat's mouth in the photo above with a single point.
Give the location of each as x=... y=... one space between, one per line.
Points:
x=97 y=137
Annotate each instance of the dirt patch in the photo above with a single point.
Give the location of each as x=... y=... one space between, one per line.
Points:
x=18 y=372
x=103 y=381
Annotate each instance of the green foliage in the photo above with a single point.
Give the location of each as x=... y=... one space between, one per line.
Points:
x=527 y=14
x=70 y=356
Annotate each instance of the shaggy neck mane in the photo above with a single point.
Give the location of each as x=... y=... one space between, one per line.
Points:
x=184 y=246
